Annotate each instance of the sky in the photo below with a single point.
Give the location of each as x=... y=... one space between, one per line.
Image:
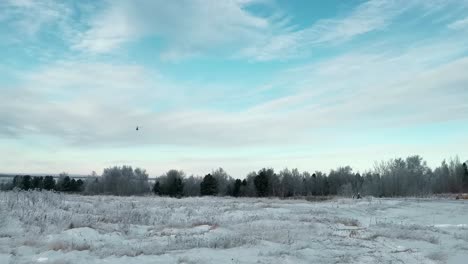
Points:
x=237 y=84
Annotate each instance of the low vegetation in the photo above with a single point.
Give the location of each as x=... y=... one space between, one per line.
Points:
x=53 y=227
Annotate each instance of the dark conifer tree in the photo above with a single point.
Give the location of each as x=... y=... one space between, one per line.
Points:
x=209 y=185
x=79 y=185
x=65 y=184
x=26 y=183
x=261 y=183
x=465 y=177
x=179 y=187
x=325 y=187
x=37 y=182
x=157 y=188
x=73 y=186
x=237 y=187
x=49 y=183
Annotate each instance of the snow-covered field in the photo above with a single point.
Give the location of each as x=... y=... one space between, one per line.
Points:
x=48 y=227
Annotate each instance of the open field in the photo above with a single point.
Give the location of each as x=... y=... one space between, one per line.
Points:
x=45 y=227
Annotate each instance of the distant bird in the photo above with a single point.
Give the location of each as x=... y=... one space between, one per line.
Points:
x=137 y=128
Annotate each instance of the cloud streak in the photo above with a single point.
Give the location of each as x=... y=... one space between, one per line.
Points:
x=196 y=27
x=100 y=104
x=187 y=26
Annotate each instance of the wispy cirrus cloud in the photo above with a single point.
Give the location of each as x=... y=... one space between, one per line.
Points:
x=27 y=19
x=461 y=24
x=93 y=104
x=367 y=17
x=195 y=28
x=187 y=26
x=192 y=27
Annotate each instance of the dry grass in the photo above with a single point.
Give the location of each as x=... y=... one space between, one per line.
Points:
x=107 y=226
x=438 y=256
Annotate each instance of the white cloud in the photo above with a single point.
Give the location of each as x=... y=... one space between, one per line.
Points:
x=110 y=30
x=194 y=27
x=29 y=17
x=377 y=86
x=199 y=27
x=187 y=26
x=367 y=17
x=461 y=24
x=100 y=104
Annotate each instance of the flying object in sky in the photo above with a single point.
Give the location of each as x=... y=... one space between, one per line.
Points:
x=137 y=128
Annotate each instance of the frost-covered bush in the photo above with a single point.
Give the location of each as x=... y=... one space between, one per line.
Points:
x=172 y=183
x=407 y=232
x=120 y=181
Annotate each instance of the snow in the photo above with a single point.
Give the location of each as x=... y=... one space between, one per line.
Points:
x=45 y=227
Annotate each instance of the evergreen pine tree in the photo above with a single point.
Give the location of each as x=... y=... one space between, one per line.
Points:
x=73 y=187
x=26 y=183
x=36 y=182
x=49 y=183
x=209 y=185
x=261 y=183
x=157 y=188
x=79 y=185
x=465 y=177
x=179 y=187
x=237 y=187
x=65 y=184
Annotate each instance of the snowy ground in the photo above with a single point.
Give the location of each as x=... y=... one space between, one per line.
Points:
x=55 y=228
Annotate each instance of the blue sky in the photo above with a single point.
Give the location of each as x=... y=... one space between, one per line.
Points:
x=240 y=84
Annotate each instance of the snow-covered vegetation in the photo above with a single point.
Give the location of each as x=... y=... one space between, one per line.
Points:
x=49 y=227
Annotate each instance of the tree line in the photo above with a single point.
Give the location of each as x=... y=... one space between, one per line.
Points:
x=27 y=182
x=396 y=177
